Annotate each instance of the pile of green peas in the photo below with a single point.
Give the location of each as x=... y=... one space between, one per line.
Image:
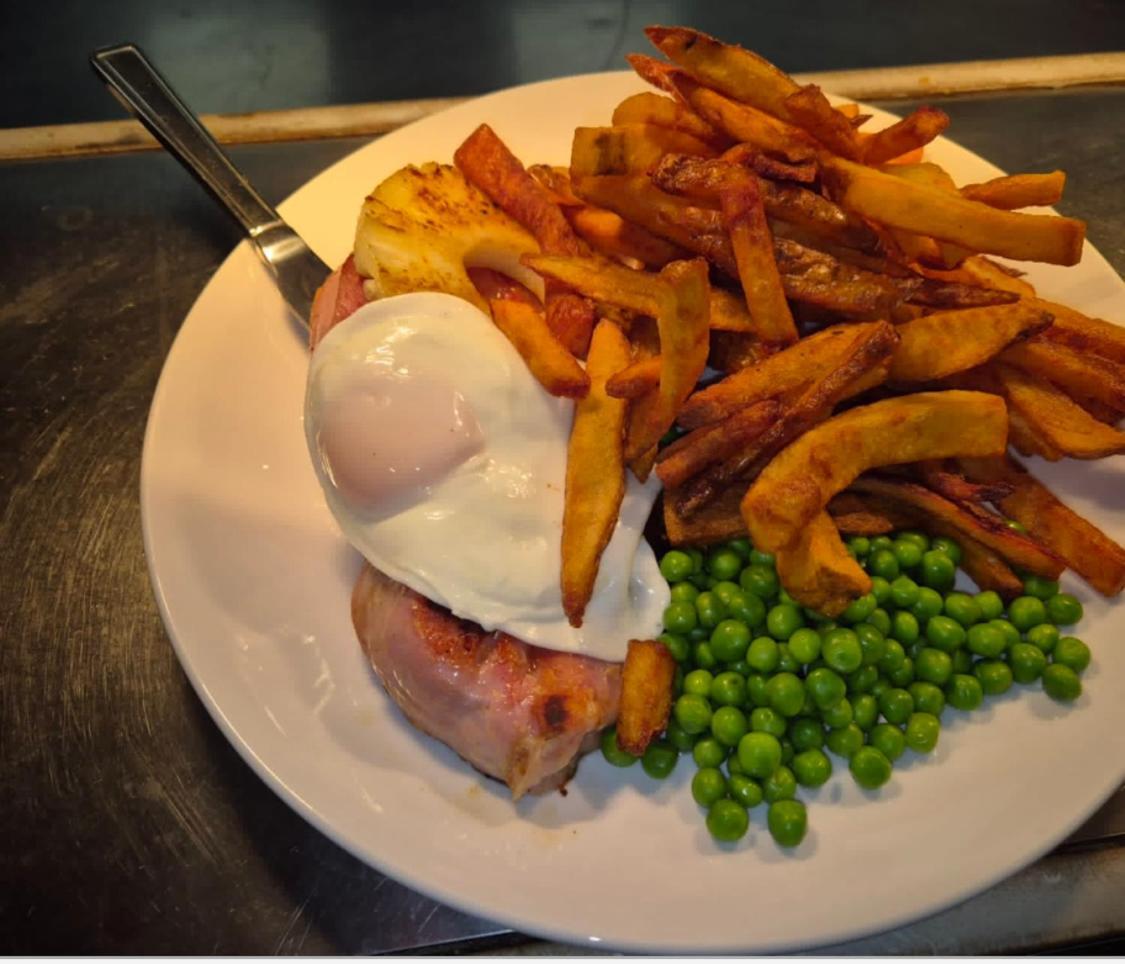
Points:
x=768 y=692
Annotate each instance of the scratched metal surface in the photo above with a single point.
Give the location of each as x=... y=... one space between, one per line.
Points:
x=131 y=826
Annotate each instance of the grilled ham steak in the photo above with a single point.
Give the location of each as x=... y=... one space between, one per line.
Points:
x=515 y=712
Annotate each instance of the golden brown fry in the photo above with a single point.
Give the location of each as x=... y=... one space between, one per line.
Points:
x=947 y=342
x=1084 y=547
x=1091 y=336
x=717 y=521
x=728 y=313
x=1018 y=190
x=629 y=149
x=809 y=108
x=911 y=133
x=983 y=272
x=732 y=351
x=798 y=483
x=817 y=278
x=552 y=365
x=1050 y=414
x=985 y=527
x=945 y=481
x=745 y=220
x=861 y=523
x=692 y=453
x=646 y=694
x=638 y=291
x=556 y=182
x=637 y=379
x=612 y=235
x=497 y=286
x=904 y=204
x=817 y=570
x=595 y=472
x=650 y=108
x=1083 y=377
x=987 y=569
x=746 y=155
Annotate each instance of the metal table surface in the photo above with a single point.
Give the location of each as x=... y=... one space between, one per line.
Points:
x=133 y=827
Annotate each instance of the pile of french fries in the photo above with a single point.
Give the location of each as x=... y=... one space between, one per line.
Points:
x=810 y=306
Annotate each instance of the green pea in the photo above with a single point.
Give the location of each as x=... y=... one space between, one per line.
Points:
x=907 y=552
x=785 y=661
x=938 y=570
x=728 y=689
x=659 y=760
x=676 y=565
x=944 y=633
x=708 y=752
x=904 y=591
x=726 y=591
x=872 y=643
x=787 y=751
x=948 y=547
x=1011 y=634
x=859 y=609
x=708 y=785
x=995 y=676
x=678 y=680
x=612 y=752
x=842 y=650
x=747 y=608
x=729 y=725
x=929 y=604
x=756 y=690
x=698 y=682
x=1026 y=612
x=762 y=655
x=1064 y=609
x=763 y=719
x=922 y=732
x=896 y=705
x=1027 y=662
x=1044 y=636
x=788 y=822
x=1040 y=588
x=701 y=653
x=741 y=545
x=680 y=617
x=745 y=791
x=990 y=603
x=882 y=684
x=859 y=546
x=870 y=767
x=806 y=734
x=881 y=590
x=888 y=740
x=699 y=635
x=760 y=581
x=786 y=694
x=741 y=667
x=963 y=608
x=724 y=563
x=893 y=656
x=845 y=741
x=882 y=542
x=862 y=680
x=783 y=620
x=812 y=768
x=761 y=558
x=838 y=715
x=826 y=687
x=678 y=737
x=964 y=692
x=729 y=640
x=684 y=592
x=921 y=540
x=934 y=666
x=865 y=711
x=986 y=640
x=759 y=754
x=962 y=661
x=734 y=768
x=883 y=563
x=692 y=712
x=727 y=821
x=804 y=645
x=1071 y=651
x=881 y=620
x=927 y=697
x=904 y=675
x=780 y=785
x=677 y=645
x=1061 y=683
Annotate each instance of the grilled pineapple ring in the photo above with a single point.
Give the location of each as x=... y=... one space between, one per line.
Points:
x=423 y=226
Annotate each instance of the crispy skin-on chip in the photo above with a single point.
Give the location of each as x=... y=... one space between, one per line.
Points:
x=571 y=319
x=637 y=379
x=650 y=108
x=556 y=182
x=612 y=235
x=692 y=453
x=1082 y=376
x=1018 y=190
x=629 y=149
x=988 y=570
x=637 y=291
x=817 y=570
x=732 y=351
x=746 y=155
x=1084 y=547
x=717 y=521
x=1091 y=336
x=1063 y=424
x=646 y=694
x=745 y=220
x=947 y=481
x=911 y=206
x=497 y=286
x=552 y=365
x=947 y=342
x=985 y=527
x=911 y=133
x=861 y=523
x=985 y=273
x=595 y=472
x=800 y=480
x=809 y=109
x=819 y=279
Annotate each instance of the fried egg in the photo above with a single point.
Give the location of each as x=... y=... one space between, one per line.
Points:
x=444 y=462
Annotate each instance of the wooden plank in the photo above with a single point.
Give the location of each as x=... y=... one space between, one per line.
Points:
x=368 y=120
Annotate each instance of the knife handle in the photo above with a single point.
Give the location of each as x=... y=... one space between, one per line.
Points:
x=134 y=81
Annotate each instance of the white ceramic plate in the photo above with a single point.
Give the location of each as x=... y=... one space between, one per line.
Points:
x=253 y=581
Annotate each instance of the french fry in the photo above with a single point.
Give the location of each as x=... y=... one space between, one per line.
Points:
x=612 y=235
x=745 y=220
x=983 y=272
x=1091 y=336
x=650 y=108
x=637 y=379
x=629 y=149
x=951 y=484
x=746 y=155
x=729 y=313
x=732 y=351
x=595 y=472
x=941 y=344
x=717 y=521
x=817 y=570
x=556 y=182
x=1084 y=547
x=571 y=320
x=552 y=365
x=985 y=527
x=1050 y=413
x=988 y=570
x=692 y=453
x=798 y=483
x=639 y=291
x=496 y=286
x=901 y=203
x=860 y=523
x=1027 y=441
x=816 y=278
x=646 y=694
x=1083 y=377
x=909 y=134
x=1018 y=190
x=809 y=109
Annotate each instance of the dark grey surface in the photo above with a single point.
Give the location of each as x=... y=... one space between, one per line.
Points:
x=132 y=827
x=244 y=55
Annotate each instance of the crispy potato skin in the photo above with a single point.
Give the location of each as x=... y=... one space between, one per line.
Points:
x=646 y=694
